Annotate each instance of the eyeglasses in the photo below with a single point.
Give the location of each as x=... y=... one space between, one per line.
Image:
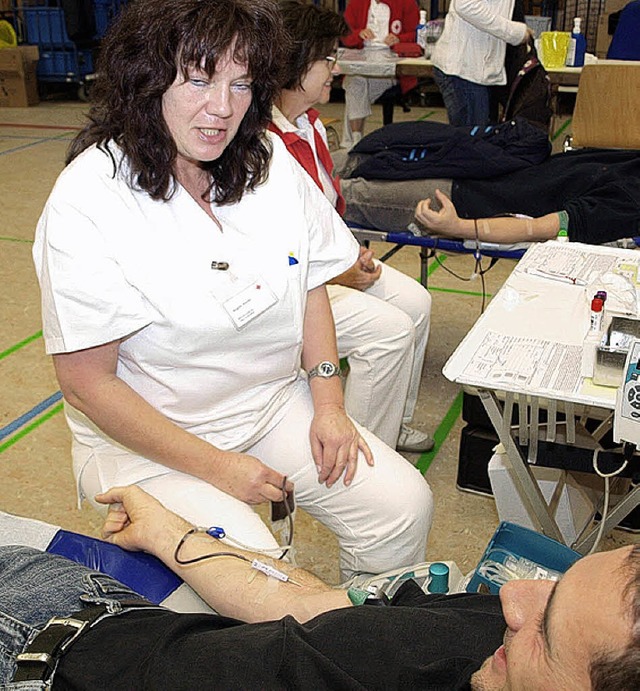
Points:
x=333 y=58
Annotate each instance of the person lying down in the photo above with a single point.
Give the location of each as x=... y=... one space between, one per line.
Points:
x=591 y=195
x=578 y=633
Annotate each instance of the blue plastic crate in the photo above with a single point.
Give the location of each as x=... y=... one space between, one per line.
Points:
x=46 y=27
x=61 y=65
x=511 y=539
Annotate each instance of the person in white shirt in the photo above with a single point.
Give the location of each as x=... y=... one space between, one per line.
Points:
x=182 y=257
x=468 y=57
x=382 y=316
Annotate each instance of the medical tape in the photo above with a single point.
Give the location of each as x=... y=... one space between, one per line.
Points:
x=529 y=223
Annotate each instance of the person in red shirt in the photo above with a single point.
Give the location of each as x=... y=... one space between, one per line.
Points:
x=374 y=25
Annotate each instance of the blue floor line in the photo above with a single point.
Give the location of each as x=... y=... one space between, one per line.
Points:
x=28 y=146
x=29 y=415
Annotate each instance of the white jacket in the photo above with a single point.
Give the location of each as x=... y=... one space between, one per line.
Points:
x=474 y=40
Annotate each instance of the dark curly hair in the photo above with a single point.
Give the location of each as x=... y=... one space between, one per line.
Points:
x=313 y=31
x=139 y=60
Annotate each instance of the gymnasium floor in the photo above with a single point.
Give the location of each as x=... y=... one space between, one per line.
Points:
x=35 y=467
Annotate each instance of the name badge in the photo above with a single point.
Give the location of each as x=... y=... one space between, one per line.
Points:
x=250 y=302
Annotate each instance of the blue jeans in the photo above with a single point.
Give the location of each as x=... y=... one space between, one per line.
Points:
x=466 y=103
x=36 y=586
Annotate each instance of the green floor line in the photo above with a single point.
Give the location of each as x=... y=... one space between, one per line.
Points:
x=427 y=115
x=561 y=129
x=25 y=430
x=6 y=239
x=459 y=292
x=440 y=434
x=22 y=344
x=434 y=265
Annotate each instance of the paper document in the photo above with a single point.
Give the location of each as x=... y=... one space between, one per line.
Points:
x=577 y=263
x=523 y=363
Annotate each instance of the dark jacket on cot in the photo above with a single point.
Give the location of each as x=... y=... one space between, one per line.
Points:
x=599 y=189
x=413 y=150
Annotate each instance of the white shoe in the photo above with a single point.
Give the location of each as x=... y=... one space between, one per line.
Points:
x=413 y=440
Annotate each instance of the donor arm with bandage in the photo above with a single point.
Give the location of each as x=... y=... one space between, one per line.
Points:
x=501 y=229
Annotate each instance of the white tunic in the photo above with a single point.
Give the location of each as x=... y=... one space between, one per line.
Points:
x=113 y=263
x=474 y=40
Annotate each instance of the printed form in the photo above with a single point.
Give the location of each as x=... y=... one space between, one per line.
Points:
x=503 y=352
x=515 y=363
x=571 y=263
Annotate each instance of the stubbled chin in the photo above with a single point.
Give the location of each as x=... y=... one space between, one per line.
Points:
x=491 y=676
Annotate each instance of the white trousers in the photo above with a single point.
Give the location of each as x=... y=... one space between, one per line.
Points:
x=383 y=332
x=359 y=94
x=381 y=520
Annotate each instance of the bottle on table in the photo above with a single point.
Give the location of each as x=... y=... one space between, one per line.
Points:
x=421 y=31
x=577 y=45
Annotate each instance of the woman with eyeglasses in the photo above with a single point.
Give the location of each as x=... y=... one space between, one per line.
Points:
x=381 y=315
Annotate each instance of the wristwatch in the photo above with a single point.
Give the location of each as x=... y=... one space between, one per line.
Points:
x=325 y=369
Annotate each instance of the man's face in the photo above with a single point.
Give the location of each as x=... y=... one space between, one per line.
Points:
x=554 y=629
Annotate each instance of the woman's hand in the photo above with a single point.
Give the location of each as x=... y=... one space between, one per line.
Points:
x=335 y=443
x=443 y=222
x=366 y=34
x=362 y=275
x=247 y=478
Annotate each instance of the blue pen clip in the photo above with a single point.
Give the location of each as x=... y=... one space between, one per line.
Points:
x=216 y=532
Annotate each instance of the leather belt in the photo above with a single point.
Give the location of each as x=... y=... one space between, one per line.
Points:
x=38 y=662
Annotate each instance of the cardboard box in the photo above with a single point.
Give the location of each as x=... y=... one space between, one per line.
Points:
x=612 y=6
x=572 y=502
x=603 y=37
x=18 y=80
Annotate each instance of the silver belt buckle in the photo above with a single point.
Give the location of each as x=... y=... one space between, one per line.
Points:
x=76 y=624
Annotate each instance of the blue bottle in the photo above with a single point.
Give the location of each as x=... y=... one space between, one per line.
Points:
x=578 y=45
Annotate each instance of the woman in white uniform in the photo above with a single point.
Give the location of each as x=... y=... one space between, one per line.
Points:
x=182 y=257
x=382 y=316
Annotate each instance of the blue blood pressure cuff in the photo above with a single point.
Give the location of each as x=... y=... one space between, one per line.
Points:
x=143 y=573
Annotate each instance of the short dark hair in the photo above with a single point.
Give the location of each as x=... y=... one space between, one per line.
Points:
x=621 y=671
x=139 y=60
x=313 y=31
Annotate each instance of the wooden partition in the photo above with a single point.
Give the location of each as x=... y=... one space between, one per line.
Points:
x=607 y=111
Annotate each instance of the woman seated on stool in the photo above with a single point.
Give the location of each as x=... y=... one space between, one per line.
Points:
x=382 y=316
x=182 y=256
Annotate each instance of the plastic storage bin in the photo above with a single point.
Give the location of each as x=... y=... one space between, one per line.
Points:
x=67 y=42
x=512 y=540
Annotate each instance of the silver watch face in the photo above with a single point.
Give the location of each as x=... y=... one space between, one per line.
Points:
x=327 y=369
